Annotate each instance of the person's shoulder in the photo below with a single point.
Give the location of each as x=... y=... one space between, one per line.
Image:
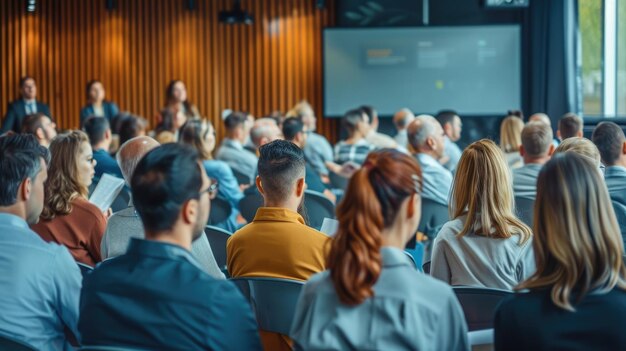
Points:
x=451 y=229
x=16 y=103
x=86 y=208
x=524 y=302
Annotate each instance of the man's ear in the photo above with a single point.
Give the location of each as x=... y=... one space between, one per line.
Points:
x=410 y=209
x=25 y=189
x=259 y=185
x=551 y=149
x=190 y=211
x=558 y=135
x=300 y=187
x=521 y=150
x=40 y=134
x=108 y=134
x=624 y=148
x=430 y=141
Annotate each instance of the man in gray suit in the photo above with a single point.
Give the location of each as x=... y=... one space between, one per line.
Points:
x=536 y=150
x=126 y=224
x=232 y=150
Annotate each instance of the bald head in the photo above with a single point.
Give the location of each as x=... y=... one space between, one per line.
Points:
x=264 y=131
x=540 y=117
x=426 y=135
x=131 y=152
x=403 y=118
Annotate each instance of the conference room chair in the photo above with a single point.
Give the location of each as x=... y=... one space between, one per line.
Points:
x=84 y=269
x=217 y=239
x=426 y=267
x=434 y=216
x=317 y=207
x=249 y=204
x=417 y=255
x=109 y=348
x=525 y=210
x=481 y=340
x=220 y=211
x=242 y=179
x=273 y=301
x=620 y=214
x=479 y=305
x=338 y=181
x=8 y=343
x=121 y=201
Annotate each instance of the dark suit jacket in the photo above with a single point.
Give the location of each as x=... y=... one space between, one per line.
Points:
x=16 y=113
x=110 y=110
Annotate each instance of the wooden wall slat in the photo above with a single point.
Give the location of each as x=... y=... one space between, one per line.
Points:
x=137 y=48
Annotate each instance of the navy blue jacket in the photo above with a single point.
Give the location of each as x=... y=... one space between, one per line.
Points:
x=156 y=297
x=110 y=110
x=16 y=113
x=105 y=163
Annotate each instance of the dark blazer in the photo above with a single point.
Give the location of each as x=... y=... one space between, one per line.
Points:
x=16 y=113
x=156 y=297
x=110 y=110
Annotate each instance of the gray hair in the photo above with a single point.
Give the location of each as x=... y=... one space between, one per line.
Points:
x=263 y=127
x=423 y=128
x=131 y=152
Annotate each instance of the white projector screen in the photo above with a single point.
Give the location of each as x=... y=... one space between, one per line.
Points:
x=474 y=70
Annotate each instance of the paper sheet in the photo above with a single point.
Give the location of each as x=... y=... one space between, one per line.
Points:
x=106 y=191
x=329 y=226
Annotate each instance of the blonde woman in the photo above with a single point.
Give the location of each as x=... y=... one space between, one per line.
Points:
x=485 y=244
x=576 y=299
x=581 y=146
x=67 y=217
x=511 y=139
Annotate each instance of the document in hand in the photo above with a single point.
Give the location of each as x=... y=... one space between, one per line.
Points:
x=106 y=191
x=329 y=226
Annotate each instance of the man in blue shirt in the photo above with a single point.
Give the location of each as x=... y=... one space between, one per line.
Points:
x=156 y=296
x=100 y=136
x=39 y=282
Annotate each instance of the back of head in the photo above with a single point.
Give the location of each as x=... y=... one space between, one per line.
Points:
x=370 y=111
x=446 y=116
x=351 y=119
x=482 y=190
x=281 y=164
x=577 y=244
x=235 y=120
x=302 y=109
x=96 y=129
x=32 y=123
x=540 y=117
x=165 y=178
x=609 y=139
x=403 y=118
x=131 y=127
x=291 y=127
x=194 y=133
x=581 y=146
x=131 y=152
x=264 y=130
x=570 y=125
x=371 y=203
x=511 y=133
x=536 y=139
x=423 y=127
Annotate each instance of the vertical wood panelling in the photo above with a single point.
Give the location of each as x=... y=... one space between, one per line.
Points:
x=137 y=48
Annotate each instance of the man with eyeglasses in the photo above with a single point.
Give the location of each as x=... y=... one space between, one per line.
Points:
x=156 y=296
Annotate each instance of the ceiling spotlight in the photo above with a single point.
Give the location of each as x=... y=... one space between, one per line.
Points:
x=236 y=15
x=31 y=5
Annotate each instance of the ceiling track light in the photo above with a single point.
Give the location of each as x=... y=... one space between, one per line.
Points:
x=236 y=15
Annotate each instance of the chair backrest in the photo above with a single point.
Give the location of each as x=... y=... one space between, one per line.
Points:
x=249 y=204
x=220 y=211
x=217 y=239
x=84 y=269
x=8 y=343
x=242 y=179
x=525 y=209
x=338 y=181
x=273 y=301
x=426 y=267
x=121 y=201
x=620 y=214
x=479 y=305
x=109 y=348
x=434 y=215
x=317 y=207
x=481 y=340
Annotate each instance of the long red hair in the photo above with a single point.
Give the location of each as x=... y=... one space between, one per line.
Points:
x=370 y=204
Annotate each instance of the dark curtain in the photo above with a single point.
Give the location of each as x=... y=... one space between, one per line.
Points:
x=555 y=59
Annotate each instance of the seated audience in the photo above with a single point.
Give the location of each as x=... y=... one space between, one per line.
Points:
x=40 y=282
x=96 y=105
x=355 y=148
x=372 y=297
x=232 y=151
x=570 y=125
x=452 y=127
x=484 y=244
x=168 y=126
x=317 y=150
x=427 y=140
x=379 y=140
x=126 y=224
x=264 y=130
x=200 y=135
x=100 y=136
x=176 y=100
x=401 y=121
x=511 y=139
x=584 y=147
x=540 y=117
x=68 y=218
x=535 y=150
x=26 y=105
x=576 y=298
x=41 y=126
x=131 y=127
x=155 y=296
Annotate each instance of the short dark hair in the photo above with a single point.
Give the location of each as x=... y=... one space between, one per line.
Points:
x=235 y=120
x=95 y=128
x=130 y=127
x=291 y=127
x=446 y=116
x=609 y=138
x=281 y=163
x=569 y=125
x=369 y=110
x=165 y=178
x=24 y=79
x=19 y=159
x=32 y=123
x=351 y=119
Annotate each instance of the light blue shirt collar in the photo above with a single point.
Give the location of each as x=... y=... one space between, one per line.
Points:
x=12 y=220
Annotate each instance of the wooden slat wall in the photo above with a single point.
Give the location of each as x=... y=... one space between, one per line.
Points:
x=137 y=48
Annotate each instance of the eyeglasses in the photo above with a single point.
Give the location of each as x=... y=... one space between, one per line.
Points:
x=212 y=190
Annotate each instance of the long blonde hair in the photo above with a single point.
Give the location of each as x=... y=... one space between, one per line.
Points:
x=63 y=185
x=577 y=244
x=194 y=133
x=581 y=146
x=511 y=133
x=483 y=191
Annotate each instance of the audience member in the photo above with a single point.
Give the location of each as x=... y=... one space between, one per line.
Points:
x=131 y=127
x=371 y=281
x=265 y=130
x=168 y=126
x=426 y=137
x=452 y=126
x=401 y=121
x=96 y=105
x=576 y=297
x=570 y=125
x=67 y=217
x=540 y=117
x=355 y=148
x=200 y=135
x=26 y=105
x=511 y=139
x=581 y=146
x=232 y=151
x=379 y=140
x=155 y=296
x=100 y=136
x=484 y=244
x=535 y=150
x=317 y=150
x=176 y=100
x=41 y=126
x=40 y=282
